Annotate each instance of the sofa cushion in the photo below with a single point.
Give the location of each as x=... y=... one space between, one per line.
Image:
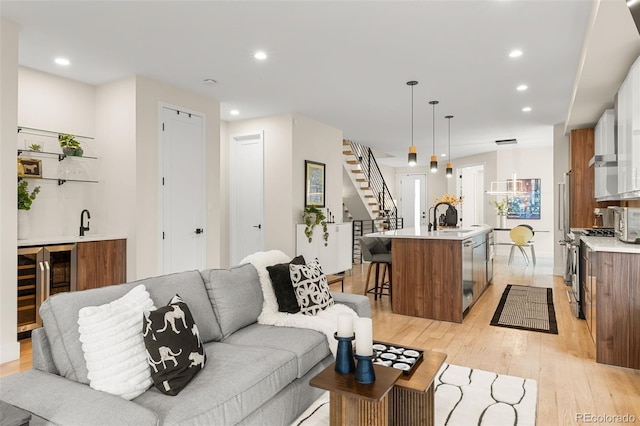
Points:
x=309 y=346
x=236 y=381
x=236 y=296
x=310 y=285
x=283 y=287
x=60 y=315
x=174 y=351
x=113 y=346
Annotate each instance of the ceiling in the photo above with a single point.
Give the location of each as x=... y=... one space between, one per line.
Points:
x=346 y=63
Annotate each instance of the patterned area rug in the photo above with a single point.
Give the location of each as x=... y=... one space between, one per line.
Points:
x=526 y=308
x=464 y=396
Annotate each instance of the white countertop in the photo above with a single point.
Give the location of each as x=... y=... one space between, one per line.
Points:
x=610 y=244
x=68 y=239
x=440 y=234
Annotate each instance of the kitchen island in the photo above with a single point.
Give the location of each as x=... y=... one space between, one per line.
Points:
x=439 y=274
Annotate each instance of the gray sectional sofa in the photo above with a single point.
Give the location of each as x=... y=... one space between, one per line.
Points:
x=254 y=375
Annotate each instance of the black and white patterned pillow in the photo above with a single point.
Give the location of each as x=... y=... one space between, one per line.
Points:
x=174 y=349
x=310 y=285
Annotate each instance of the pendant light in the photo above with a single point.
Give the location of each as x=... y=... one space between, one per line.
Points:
x=449 y=165
x=434 y=158
x=413 y=155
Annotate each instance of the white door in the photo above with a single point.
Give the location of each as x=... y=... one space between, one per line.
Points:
x=413 y=200
x=247 y=196
x=471 y=188
x=182 y=191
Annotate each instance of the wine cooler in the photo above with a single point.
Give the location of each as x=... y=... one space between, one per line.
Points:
x=43 y=271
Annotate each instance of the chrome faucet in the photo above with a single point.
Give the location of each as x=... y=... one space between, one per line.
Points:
x=435 y=212
x=82 y=227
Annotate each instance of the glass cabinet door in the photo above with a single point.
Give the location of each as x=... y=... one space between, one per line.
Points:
x=30 y=291
x=60 y=266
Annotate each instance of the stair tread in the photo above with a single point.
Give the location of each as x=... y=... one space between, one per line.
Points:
x=348 y=152
x=361 y=180
x=352 y=162
x=356 y=171
x=369 y=196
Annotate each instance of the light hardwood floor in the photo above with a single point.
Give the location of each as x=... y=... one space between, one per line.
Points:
x=570 y=382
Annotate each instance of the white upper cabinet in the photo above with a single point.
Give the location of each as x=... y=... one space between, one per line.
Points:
x=629 y=132
x=606 y=170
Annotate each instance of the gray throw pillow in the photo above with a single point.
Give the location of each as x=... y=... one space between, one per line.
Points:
x=236 y=296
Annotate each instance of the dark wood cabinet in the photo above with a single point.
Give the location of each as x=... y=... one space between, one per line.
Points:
x=101 y=263
x=617 y=323
x=582 y=203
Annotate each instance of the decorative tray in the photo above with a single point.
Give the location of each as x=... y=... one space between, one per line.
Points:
x=401 y=357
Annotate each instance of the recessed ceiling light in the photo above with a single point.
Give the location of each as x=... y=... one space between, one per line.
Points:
x=443 y=155
x=62 y=61
x=260 y=55
x=515 y=53
x=234 y=112
x=522 y=88
x=526 y=109
x=631 y=2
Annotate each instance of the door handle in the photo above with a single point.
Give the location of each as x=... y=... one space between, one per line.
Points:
x=47 y=280
x=199 y=231
x=258 y=226
x=43 y=291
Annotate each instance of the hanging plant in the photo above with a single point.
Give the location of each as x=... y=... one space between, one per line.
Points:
x=313 y=216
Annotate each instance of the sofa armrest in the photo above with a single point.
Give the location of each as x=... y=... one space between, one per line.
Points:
x=64 y=402
x=357 y=302
x=41 y=356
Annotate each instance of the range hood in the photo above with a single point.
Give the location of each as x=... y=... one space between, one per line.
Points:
x=604 y=160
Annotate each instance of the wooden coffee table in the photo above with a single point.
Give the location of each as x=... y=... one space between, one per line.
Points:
x=393 y=399
x=352 y=403
x=412 y=397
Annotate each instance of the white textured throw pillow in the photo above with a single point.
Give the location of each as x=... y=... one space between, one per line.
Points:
x=113 y=345
x=311 y=288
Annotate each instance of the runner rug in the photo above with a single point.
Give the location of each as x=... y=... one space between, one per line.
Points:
x=526 y=308
x=464 y=396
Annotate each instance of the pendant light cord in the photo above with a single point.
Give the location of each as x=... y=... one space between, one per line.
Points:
x=449 y=157
x=433 y=121
x=411 y=115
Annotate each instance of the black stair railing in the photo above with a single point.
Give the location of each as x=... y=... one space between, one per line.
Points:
x=387 y=210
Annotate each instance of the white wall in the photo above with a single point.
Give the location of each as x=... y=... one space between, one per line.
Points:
x=60 y=105
x=528 y=164
x=318 y=142
x=9 y=346
x=149 y=95
x=116 y=138
x=278 y=177
x=289 y=139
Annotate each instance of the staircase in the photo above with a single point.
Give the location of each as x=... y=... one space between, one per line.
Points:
x=369 y=182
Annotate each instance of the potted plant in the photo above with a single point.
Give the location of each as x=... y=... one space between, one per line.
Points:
x=69 y=144
x=34 y=147
x=501 y=210
x=25 y=199
x=312 y=216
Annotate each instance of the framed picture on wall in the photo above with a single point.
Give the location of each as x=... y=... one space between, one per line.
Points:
x=524 y=203
x=28 y=167
x=314 y=186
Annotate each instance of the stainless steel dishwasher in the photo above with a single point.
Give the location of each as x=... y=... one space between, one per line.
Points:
x=467 y=273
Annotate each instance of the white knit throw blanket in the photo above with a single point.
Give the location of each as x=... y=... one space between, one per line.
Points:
x=324 y=322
